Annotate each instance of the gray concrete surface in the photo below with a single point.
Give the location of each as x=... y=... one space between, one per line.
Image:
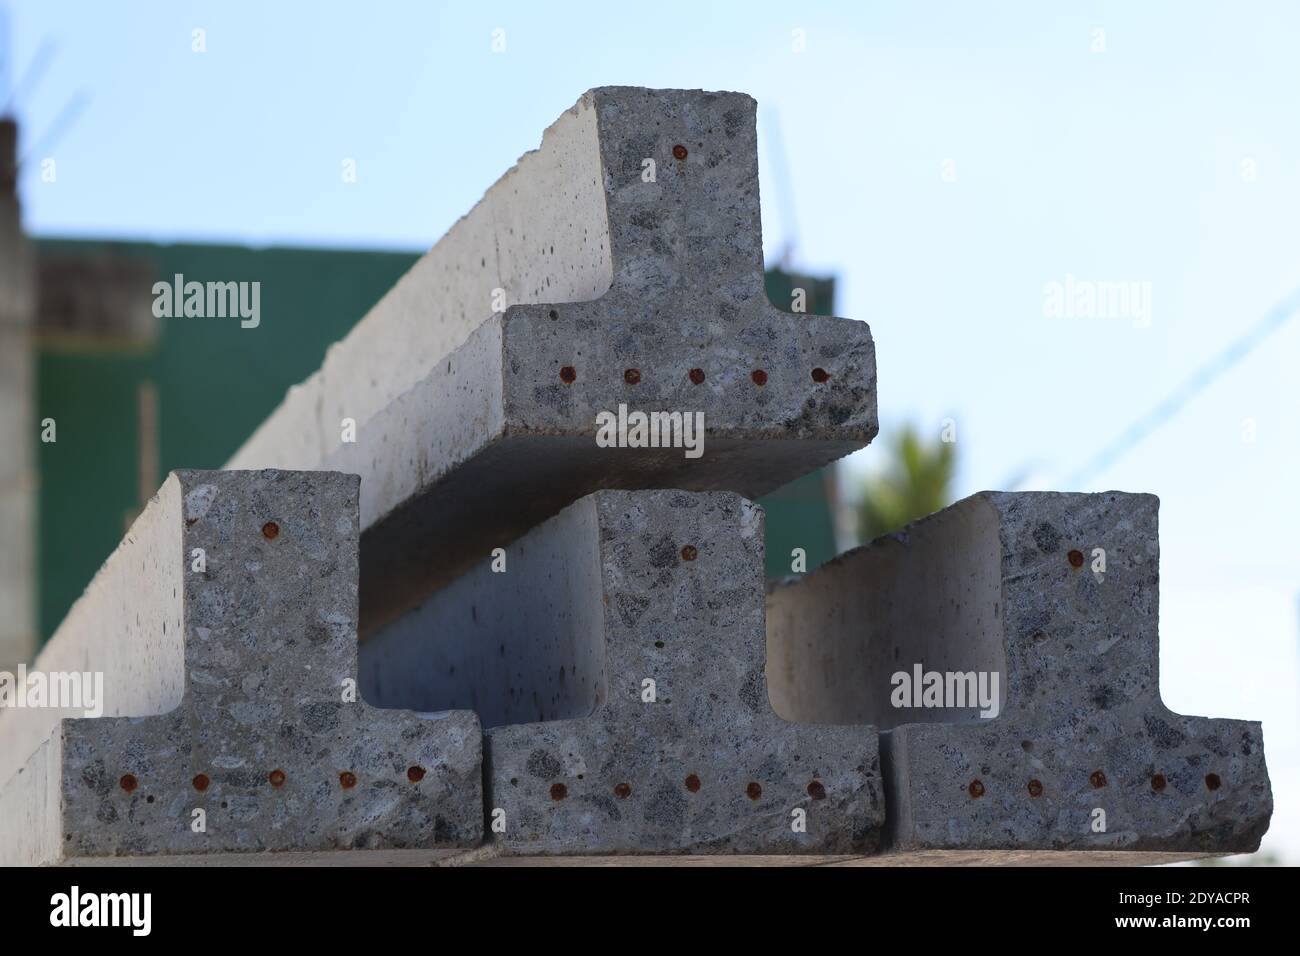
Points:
x=619 y=589
x=1008 y=583
x=474 y=424
x=232 y=699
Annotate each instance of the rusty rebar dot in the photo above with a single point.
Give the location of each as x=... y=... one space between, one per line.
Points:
x=568 y=375
x=759 y=377
x=270 y=531
x=693 y=783
x=679 y=152
x=128 y=782
x=975 y=788
x=1076 y=558
x=820 y=375
x=559 y=791
x=1158 y=782
x=347 y=780
x=415 y=773
x=1212 y=781
x=816 y=790
x=200 y=782
x=276 y=777
x=1097 y=779
x=697 y=376
x=753 y=791
x=690 y=553
x=623 y=791
x=632 y=376
x=1035 y=788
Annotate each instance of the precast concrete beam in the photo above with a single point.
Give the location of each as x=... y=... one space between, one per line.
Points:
x=224 y=628
x=1073 y=751
x=618 y=265
x=617 y=659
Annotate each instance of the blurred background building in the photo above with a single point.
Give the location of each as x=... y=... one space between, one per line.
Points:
x=945 y=163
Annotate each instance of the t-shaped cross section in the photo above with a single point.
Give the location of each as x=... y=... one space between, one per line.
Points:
x=225 y=627
x=1072 y=748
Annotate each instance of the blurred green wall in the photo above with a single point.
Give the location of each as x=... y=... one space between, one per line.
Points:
x=215 y=383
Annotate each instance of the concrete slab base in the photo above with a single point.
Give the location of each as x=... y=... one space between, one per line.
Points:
x=921 y=858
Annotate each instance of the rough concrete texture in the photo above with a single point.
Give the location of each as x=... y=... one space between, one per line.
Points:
x=619 y=589
x=474 y=424
x=262 y=738
x=1012 y=583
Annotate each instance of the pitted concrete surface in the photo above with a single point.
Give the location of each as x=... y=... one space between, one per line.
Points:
x=671 y=592
x=1082 y=727
x=264 y=740
x=473 y=425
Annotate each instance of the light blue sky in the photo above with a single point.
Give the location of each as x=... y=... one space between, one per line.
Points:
x=1123 y=165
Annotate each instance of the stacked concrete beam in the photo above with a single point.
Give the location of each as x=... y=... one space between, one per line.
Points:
x=1057 y=594
x=637 y=707
x=225 y=630
x=617 y=661
x=621 y=263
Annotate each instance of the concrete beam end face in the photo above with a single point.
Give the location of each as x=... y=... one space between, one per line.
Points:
x=271 y=749
x=1058 y=594
x=686 y=323
x=682 y=753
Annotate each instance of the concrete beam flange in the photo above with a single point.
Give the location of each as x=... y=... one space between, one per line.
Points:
x=239 y=728
x=1058 y=595
x=617 y=661
x=619 y=265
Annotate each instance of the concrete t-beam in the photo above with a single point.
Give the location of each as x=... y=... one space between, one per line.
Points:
x=619 y=264
x=617 y=659
x=1057 y=595
x=224 y=628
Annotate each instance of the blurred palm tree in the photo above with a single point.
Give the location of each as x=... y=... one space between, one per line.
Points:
x=916 y=482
